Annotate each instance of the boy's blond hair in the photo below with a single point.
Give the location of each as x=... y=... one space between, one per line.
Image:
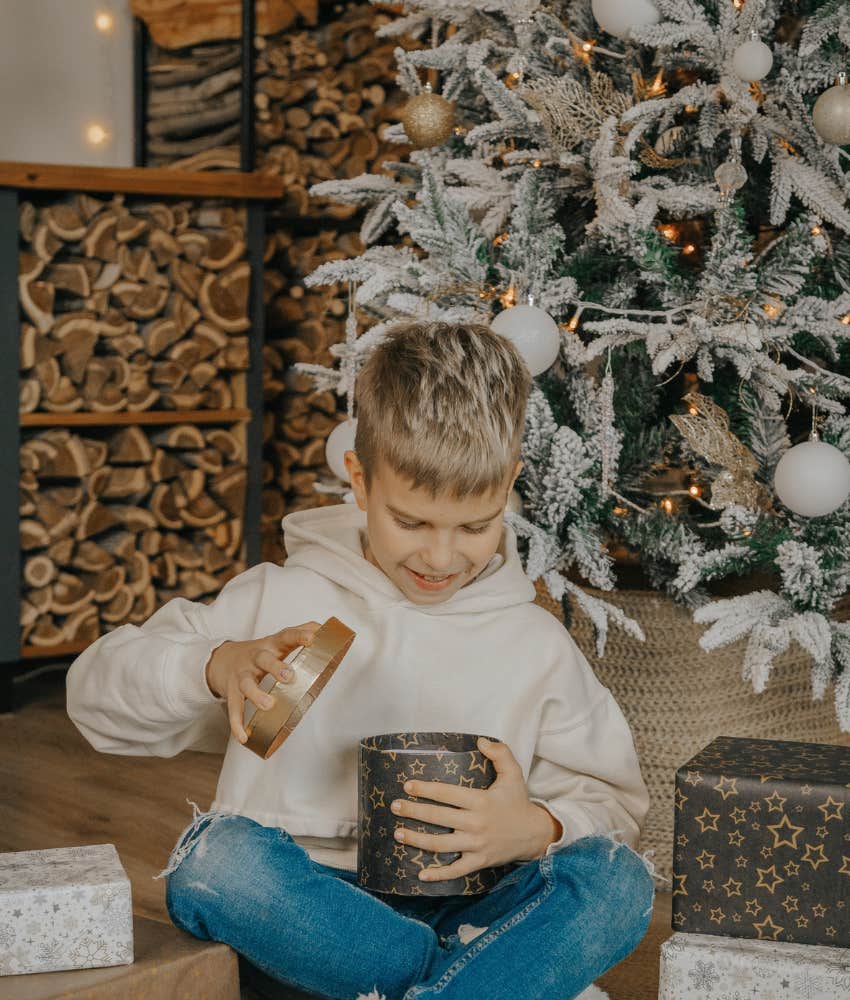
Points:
x=444 y=406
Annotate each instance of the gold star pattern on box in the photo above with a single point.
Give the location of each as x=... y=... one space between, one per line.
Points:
x=761 y=836
x=389 y=760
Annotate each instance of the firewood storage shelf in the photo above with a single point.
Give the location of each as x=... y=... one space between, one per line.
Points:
x=244 y=192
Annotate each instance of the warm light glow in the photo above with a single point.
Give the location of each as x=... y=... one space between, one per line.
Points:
x=738 y=4
x=657 y=87
x=669 y=232
x=621 y=511
x=693 y=411
x=508 y=298
x=691 y=109
x=587 y=47
x=104 y=22
x=694 y=490
x=746 y=532
x=772 y=309
x=96 y=134
x=667 y=505
x=500 y=239
x=816 y=230
x=573 y=323
x=846 y=319
x=689 y=248
x=537 y=163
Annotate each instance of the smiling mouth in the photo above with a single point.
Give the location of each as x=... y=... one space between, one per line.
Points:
x=430 y=582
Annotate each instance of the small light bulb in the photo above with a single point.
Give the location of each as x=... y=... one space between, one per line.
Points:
x=104 y=22
x=693 y=411
x=816 y=230
x=746 y=532
x=669 y=232
x=846 y=319
x=658 y=86
x=573 y=323
x=537 y=163
x=96 y=134
x=667 y=505
x=621 y=511
x=694 y=490
x=587 y=46
x=689 y=248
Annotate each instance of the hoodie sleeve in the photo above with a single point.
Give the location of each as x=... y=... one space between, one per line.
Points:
x=142 y=689
x=588 y=777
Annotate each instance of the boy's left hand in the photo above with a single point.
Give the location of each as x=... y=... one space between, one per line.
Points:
x=492 y=826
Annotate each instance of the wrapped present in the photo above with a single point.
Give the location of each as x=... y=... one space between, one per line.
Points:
x=705 y=967
x=762 y=842
x=66 y=908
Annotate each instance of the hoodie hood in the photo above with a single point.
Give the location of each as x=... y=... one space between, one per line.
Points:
x=329 y=541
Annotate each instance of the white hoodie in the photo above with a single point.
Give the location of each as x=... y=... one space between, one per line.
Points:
x=486 y=661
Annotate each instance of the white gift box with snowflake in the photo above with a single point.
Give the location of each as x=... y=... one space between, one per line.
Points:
x=707 y=967
x=66 y=908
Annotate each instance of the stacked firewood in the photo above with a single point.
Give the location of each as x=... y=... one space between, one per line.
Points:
x=131 y=305
x=322 y=96
x=115 y=523
x=304 y=323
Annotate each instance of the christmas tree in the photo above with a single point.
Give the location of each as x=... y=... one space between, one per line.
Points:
x=651 y=198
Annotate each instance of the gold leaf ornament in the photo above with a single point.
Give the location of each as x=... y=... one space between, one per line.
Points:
x=706 y=428
x=572 y=113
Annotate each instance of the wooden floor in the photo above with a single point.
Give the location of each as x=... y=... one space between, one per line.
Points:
x=56 y=791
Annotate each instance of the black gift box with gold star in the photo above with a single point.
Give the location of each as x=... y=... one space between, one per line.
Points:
x=762 y=842
x=386 y=763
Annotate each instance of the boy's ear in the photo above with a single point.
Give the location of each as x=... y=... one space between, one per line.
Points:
x=517 y=471
x=356 y=477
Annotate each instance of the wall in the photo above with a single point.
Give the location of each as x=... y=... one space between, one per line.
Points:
x=58 y=75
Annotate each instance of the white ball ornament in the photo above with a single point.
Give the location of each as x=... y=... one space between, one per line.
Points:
x=752 y=60
x=618 y=17
x=340 y=440
x=812 y=478
x=831 y=113
x=534 y=334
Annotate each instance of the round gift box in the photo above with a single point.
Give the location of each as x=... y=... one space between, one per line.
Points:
x=389 y=760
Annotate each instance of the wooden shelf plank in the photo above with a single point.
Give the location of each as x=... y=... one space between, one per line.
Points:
x=60 y=650
x=141 y=180
x=142 y=417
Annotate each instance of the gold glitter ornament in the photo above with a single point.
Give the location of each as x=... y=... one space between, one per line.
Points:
x=428 y=119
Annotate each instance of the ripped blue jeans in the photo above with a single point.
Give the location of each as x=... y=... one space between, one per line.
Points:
x=548 y=929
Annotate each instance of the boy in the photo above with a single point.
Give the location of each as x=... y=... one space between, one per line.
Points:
x=427 y=574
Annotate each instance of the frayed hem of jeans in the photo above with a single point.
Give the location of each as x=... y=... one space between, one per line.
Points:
x=644 y=858
x=191 y=837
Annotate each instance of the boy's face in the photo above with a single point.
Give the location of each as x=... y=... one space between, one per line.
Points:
x=414 y=537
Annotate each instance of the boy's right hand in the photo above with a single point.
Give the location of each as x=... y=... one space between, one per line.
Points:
x=235 y=669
